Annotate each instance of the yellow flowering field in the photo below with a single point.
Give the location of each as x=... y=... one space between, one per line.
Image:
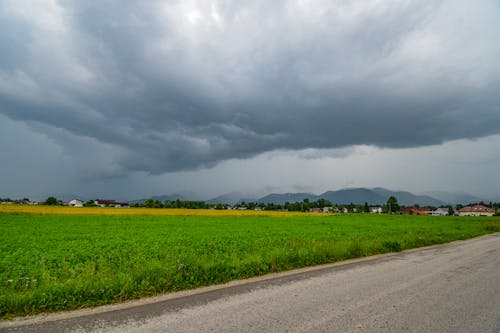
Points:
x=64 y=210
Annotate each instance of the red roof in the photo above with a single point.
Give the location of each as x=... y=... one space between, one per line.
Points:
x=110 y=202
x=476 y=209
x=107 y=202
x=415 y=211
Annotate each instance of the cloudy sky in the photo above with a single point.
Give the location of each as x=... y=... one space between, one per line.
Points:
x=125 y=99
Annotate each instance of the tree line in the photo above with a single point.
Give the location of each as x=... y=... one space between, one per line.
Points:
x=390 y=207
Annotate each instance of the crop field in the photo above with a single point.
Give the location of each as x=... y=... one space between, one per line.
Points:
x=67 y=261
x=60 y=210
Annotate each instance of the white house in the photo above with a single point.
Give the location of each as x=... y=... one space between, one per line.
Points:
x=439 y=212
x=376 y=210
x=75 y=203
x=327 y=209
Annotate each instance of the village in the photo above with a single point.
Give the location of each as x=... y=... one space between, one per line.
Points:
x=320 y=206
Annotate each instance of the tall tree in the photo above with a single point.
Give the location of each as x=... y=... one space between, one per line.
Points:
x=392 y=204
x=51 y=201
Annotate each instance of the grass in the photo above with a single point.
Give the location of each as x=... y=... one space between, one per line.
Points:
x=60 y=262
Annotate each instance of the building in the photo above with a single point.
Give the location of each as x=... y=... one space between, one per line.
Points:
x=327 y=209
x=477 y=210
x=439 y=212
x=110 y=203
x=75 y=203
x=376 y=210
x=412 y=210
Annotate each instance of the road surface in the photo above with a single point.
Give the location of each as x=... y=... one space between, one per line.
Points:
x=449 y=288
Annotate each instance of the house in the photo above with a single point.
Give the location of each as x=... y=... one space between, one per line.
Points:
x=110 y=203
x=24 y=201
x=412 y=210
x=75 y=203
x=327 y=209
x=439 y=212
x=315 y=210
x=376 y=210
x=477 y=210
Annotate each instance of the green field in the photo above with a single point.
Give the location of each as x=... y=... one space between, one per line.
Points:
x=55 y=262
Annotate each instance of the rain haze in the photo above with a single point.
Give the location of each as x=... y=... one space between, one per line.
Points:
x=128 y=99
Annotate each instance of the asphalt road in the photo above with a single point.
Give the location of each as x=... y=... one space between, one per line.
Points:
x=449 y=288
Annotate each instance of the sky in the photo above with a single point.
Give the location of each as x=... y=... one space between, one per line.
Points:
x=128 y=99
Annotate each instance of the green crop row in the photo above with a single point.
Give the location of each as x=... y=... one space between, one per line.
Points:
x=59 y=262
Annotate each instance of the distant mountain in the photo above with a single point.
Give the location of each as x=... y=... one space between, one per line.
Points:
x=280 y=199
x=354 y=195
x=456 y=198
x=246 y=200
x=231 y=198
x=162 y=198
x=376 y=196
x=408 y=199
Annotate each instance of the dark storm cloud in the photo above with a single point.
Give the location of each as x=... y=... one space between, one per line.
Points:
x=182 y=85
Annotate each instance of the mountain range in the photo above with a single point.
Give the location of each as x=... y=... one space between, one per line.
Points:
x=373 y=196
x=162 y=198
x=231 y=198
x=456 y=198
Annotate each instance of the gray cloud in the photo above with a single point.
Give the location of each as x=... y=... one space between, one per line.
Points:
x=161 y=87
